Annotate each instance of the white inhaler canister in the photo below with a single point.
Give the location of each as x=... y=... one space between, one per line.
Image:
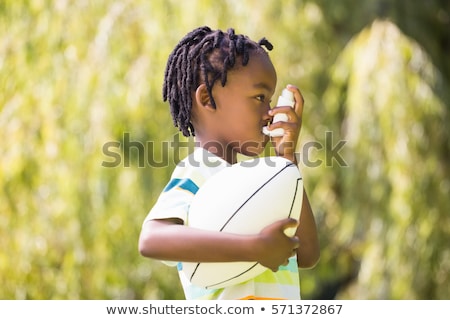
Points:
x=286 y=99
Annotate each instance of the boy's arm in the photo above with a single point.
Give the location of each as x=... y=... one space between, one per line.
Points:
x=308 y=252
x=169 y=239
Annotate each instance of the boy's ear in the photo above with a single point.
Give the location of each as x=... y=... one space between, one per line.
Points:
x=202 y=97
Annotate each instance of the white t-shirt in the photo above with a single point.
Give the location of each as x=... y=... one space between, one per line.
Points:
x=174 y=202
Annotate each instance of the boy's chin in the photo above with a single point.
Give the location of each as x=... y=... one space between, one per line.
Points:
x=253 y=152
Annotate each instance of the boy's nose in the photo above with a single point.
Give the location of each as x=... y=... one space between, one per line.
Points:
x=266 y=118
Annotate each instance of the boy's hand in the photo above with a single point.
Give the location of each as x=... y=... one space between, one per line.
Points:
x=285 y=145
x=275 y=248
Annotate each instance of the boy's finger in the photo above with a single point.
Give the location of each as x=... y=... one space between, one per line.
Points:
x=299 y=100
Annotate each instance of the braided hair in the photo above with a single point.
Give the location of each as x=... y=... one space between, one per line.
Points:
x=203 y=56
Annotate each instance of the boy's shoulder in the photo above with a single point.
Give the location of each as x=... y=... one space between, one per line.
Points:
x=199 y=162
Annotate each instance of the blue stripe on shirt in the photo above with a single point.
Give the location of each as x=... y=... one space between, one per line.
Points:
x=184 y=184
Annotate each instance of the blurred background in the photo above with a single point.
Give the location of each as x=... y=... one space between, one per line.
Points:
x=82 y=126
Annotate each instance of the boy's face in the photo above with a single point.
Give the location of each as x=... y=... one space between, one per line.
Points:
x=242 y=105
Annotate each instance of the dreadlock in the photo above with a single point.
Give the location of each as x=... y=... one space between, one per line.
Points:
x=203 y=56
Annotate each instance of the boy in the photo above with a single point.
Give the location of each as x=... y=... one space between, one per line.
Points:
x=219 y=86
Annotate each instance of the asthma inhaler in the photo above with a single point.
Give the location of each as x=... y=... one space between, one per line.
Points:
x=286 y=99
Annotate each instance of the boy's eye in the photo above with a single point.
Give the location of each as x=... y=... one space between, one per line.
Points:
x=261 y=98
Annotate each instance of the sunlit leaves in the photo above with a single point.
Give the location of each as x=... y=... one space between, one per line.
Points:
x=391 y=198
x=75 y=75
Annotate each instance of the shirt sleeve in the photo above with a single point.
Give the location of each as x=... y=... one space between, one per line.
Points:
x=186 y=179
x=174 y=200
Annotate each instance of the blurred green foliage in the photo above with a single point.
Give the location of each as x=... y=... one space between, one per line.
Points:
x=76 y=76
